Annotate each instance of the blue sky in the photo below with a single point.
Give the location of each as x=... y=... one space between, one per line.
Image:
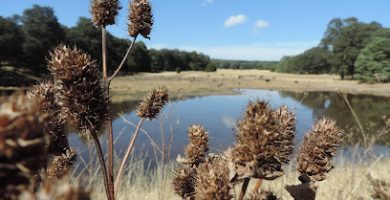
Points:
x=229 y=29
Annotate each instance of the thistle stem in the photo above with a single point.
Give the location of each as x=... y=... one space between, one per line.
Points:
x=102 y=162
x=244 y=188
x=258 y=184
x=110 y=139
x=123 y=60
x=128 y=152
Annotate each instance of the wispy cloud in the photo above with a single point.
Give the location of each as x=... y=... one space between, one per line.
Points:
x=259 y=24
x=207 y=2
x=235 y=20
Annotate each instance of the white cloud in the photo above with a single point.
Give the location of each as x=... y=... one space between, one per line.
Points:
x=207 y=2
x=235 y=20
x=259 y=24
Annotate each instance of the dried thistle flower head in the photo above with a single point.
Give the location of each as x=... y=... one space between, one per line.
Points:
x=140 y=18
x=22 y=145
x=104 y=12
x=380 y=188
x=59 y=190
x=264 y=142
x=54 y=127
x=263 y=195
x=151 y=106
x=212 y=180
x=198 y=145
x=184 y=182
x=79 y=88
x=317 y=150
x=61 y=165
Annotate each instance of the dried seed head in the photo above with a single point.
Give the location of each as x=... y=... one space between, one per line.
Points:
x=317 y=150
x=140 y=18
x=61 y=190
x=104 y=12
x=198 y=145
x=264 y=142
x=212 y=180
x=184 y=182
x=79 y=89
x=61 y=165
x=151 y=106
x=54 y=127
x=304 y=191
x=22 y=142
x=263 y=195
x=380 y=188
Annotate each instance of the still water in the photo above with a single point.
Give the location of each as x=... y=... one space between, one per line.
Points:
x=219 y=113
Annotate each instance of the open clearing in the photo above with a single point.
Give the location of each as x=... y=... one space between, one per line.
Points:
x=194 y=83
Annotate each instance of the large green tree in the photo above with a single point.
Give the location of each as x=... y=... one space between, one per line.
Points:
x=373 y=63
x=139 y=60
x=11 y=41
x=42 y=33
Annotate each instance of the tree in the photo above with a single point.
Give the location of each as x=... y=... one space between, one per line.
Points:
x=42 y=33
x=350 y=41
x=373 y=63
x=139 y=60
x=11 y=41
x=333 y=31
x=211 y=67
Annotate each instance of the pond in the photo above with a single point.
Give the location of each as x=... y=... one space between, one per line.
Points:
x=219 y=113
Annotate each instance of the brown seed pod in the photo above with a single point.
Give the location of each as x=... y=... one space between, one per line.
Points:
x=22 y=145
x=104 y=12
x=61 y=165
x=151 y=106
x=198 y=145
x=263 y=195
x=79 y=89
x=212 y=180
x=264 y=142
x=140 y=18
x=318 y=148
x=54 y=127
x=184 y=182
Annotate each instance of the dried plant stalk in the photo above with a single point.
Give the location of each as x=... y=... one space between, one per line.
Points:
x=22 y=145
x=140 y=18
x=212 y=180
x=317 y=150
x=264 y=142
x=104 y=12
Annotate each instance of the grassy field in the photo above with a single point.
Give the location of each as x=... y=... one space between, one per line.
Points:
x=192 y=83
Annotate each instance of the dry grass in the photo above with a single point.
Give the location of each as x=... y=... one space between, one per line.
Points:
x=223 y=81
x=346 y=182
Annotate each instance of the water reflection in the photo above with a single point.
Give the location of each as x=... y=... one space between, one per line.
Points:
x=218 y=114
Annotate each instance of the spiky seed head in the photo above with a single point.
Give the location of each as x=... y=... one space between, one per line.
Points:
x=54 y=127
x=264 y=142
x=140 y=18
x=22 y=145
x=198 y=145
x=151 y=106
x=104 y=12
x=263 y=195
x=184 y=182
x=380 y=188
x=212 y=180
x=61 y=165
x=79 y=89
x=62 y=189
x=318 y=148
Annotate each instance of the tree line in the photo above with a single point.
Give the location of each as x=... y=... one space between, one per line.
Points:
x=350 y=48
x=27 y=39
x=242 y=64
